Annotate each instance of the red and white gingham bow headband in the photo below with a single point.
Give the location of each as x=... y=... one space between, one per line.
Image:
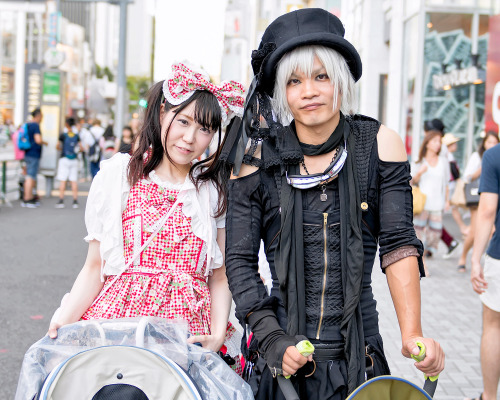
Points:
x=183 y=82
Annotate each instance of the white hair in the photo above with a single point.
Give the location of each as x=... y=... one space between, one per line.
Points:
x=302 y=58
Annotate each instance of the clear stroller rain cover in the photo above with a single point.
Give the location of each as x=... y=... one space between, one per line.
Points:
x=213 y=378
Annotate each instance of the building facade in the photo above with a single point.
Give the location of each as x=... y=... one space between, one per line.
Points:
x=246 y=21
x=423 y=59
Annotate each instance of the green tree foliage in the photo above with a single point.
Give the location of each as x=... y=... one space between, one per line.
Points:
x=137 y=87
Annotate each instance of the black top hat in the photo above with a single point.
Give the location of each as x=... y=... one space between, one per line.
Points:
x=308 y=26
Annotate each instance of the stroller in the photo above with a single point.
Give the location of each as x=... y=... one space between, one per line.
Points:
x=130 y=358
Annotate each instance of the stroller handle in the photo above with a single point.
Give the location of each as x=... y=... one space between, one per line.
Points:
x=430 y=381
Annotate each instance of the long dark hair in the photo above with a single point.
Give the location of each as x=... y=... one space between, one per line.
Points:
x=482 y=149
x=108 y=133
x=207 y=113
x=427 y=138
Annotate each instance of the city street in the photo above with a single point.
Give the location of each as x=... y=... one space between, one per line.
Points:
x=43 y=250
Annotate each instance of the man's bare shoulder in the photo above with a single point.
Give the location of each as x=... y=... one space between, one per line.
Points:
x=390 y=145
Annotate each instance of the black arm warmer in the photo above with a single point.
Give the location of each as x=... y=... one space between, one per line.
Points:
x=273 y=341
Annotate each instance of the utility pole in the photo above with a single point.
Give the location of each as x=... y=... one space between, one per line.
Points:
x=122 y=79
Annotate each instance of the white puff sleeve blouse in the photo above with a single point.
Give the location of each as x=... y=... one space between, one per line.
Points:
x=108 y=199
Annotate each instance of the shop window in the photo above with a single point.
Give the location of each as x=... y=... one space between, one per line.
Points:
x=448 y=46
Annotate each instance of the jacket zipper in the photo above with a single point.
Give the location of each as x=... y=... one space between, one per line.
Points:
x=325 y=220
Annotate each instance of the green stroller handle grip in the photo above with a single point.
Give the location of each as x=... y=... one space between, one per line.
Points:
x=430 y=381
x=306 y=348
x=421 y=355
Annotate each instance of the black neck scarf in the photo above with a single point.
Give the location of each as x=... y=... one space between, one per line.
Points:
x=333 y=141
x=289 y=256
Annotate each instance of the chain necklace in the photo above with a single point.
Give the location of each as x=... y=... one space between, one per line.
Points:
x=323 y=196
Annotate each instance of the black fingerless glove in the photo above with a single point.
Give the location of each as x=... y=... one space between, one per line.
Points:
x=273 y=341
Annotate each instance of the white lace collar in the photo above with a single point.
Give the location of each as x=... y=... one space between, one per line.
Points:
x=153 y=177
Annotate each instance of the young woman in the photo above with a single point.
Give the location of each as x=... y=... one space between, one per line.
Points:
x=473 y=172
x=431 y=173
x=161 y=190
x=124 y=144
x=107 y=143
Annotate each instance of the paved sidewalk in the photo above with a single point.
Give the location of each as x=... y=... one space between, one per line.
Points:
x=451 y=314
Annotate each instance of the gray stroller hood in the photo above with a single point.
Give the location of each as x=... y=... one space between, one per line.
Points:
x=148 y=357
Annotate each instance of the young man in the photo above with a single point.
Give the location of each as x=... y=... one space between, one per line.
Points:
x=486 y=281
x=32 y=158
x=67 y=169
x=320 y=192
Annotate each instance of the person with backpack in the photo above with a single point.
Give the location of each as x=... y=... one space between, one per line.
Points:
x=94 y=150
x=107 y=143
x=30 y=140
x=322 y=186
x=161 y=192
x=67 y=168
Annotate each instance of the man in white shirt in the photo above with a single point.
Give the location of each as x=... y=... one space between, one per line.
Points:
x=90 y=139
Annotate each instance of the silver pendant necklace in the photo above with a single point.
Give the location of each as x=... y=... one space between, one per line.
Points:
x=323 y=196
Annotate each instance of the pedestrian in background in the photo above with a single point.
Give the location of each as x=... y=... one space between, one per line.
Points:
x=19 y=156
x=94 y=150
x=450 y=141
x=486 y=280
x=431 y=173
x=124 y=144
x=450 y=242
x=173 y=199
x=32 y=159
x=108 y=143
x=69 y=145
x=472 y=173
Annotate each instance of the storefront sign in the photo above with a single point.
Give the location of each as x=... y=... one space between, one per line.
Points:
x=51 y=87
x=492 y=98
x=32 y=88
x=54 y=21
x=458 y=77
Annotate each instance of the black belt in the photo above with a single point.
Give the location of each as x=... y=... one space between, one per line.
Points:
x=328 y=352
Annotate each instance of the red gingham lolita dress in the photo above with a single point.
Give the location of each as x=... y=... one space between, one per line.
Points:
x=168 y=279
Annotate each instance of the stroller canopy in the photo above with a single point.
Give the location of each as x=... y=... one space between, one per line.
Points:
x=129 y=358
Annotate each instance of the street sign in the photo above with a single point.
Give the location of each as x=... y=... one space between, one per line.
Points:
x=51 y=91
x=54 y=19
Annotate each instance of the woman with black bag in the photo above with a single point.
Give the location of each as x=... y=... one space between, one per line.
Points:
x=472 y=174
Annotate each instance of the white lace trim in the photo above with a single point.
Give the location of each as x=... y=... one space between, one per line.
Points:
x=233 y=344
x=153 y=177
